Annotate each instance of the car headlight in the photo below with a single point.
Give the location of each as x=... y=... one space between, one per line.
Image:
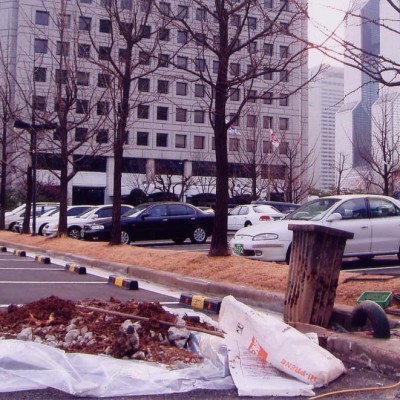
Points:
x=96 y=227
x=265 y=236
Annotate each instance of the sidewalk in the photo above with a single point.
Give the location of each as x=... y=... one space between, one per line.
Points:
x=358 y=348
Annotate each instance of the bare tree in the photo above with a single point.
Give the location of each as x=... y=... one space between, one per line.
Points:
x=132 y=52
x=341 y=167
x=293 y=176
x=239 y=37
x=8 y=137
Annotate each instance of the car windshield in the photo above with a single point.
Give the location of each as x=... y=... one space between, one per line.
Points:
x=136 y=210
x=313 y=210
x=83 y=214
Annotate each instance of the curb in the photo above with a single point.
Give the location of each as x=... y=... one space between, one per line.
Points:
x=380 y=355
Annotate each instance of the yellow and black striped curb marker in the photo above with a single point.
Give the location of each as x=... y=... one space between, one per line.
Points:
x=43 y=259
x=20 y=253
x=75 y=268
x=123 y=282
x=201 y=302
x=4 y=249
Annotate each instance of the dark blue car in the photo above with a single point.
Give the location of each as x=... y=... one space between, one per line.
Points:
x=152 y=221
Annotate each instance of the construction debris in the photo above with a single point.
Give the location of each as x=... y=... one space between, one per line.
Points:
x=128 y=330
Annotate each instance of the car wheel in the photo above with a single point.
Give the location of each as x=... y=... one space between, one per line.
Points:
x=178 y=240
x=198 y=236
x=40 y=231
x=247 y=223
x=125 y=238
x=11 y=227
x=74 y=232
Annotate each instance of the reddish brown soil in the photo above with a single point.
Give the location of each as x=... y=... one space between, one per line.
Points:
x=52 y=316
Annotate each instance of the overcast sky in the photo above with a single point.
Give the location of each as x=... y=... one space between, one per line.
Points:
x=325 y=14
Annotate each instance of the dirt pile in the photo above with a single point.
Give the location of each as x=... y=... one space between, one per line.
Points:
x=78 y=327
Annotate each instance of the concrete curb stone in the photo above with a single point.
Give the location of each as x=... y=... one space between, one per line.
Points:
x=380 y=355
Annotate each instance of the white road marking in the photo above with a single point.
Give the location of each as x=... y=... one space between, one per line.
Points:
x=52 y=282
x=30 y=269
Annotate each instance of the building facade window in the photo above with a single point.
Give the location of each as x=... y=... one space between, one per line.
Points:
x=162 y=86
x=199 y=116
x=84 y=23
x=42 y=18
x=144 y=85
x=201 y=14
x=142 y=138
x=62 y=48
x=251 y=145
x=199 y=90
x=283 y=124
x=182 y=37
x=39 y=74
x=145 y=31
x=181 y=62
x=162 y=113
x=215 y=66
x=103 y=108
x=267 y=122
x=61 y=76
x=183 y=12
x=181 y=115
x=83 y=50
x=181 y=88
x=102 y=136
x=126 y=4
x=39 y=103
x=103 y=80
x=81 y=134
x=267 y=98
x=82 y=106
x=143 y=111
x=180 y=141
x=198 y=142
x=268 y=74
x=162 y=140
x=144 y=58
x=284 y=101
x=234 y=69
x=163 y=60
x=268 y=49
x=251 y=120
x=234 y=94
x=234 y=144
x=283 y=51
x=41 y=46
x=82 y=78
x=164 y=34
x=252 y=23
x=200 y=64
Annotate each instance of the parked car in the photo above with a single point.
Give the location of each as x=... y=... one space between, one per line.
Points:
x=281 y=206
x=152 y=221
x=250 y=214
x=14 y=216
x=373 y=219
x=52 y=216
x=75 y=224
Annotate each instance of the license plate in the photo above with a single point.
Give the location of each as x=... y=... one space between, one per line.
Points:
x=238 y=249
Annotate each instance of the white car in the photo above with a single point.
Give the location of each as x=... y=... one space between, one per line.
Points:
x=250 y=214
x=52 y=216
x=374 y=220
x=12 y=217
x=75 y=224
